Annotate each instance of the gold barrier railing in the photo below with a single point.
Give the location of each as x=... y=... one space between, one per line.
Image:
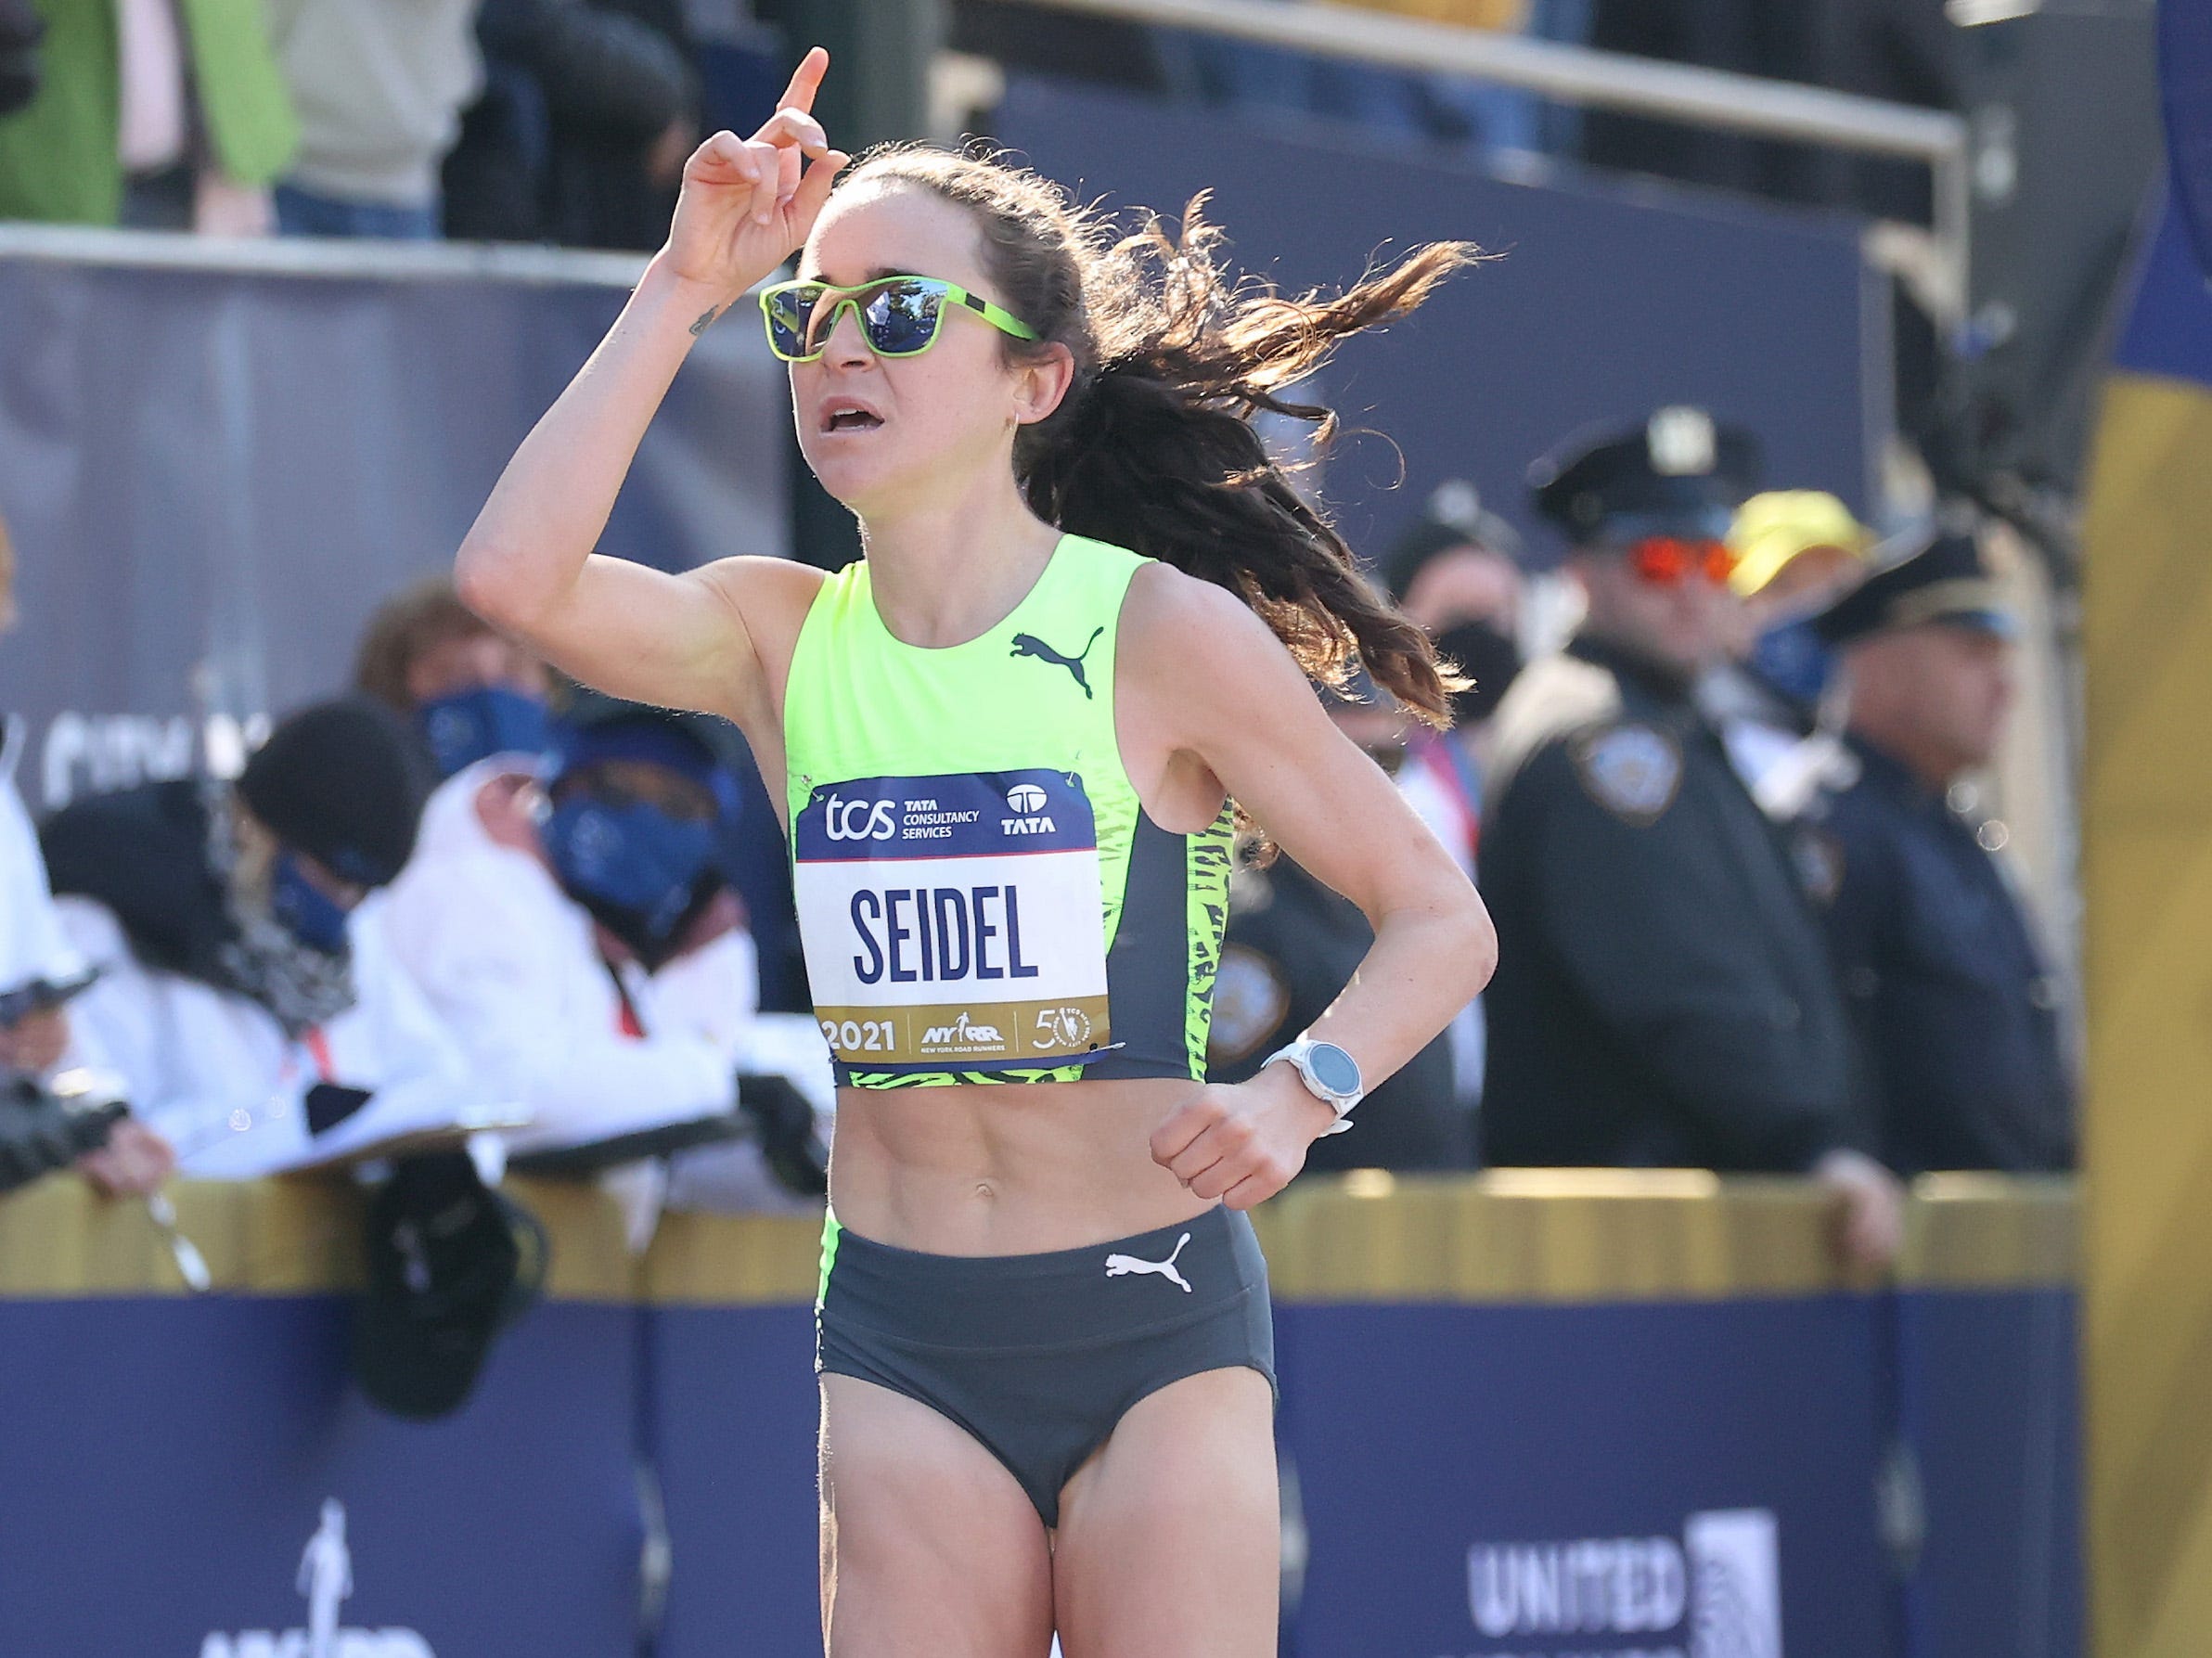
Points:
x=1507 y=1236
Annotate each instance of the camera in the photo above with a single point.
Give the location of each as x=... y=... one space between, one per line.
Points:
x=45 y=1127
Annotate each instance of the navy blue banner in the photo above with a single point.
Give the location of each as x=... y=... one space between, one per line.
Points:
x=1990 y=1401
x=1678 y=1480
x=2185 y=96
x=734 y=1413
x=1593 y=1482
x=197 y=1478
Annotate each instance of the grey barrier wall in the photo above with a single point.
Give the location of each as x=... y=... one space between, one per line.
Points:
x=1606 y=299
x=213 y=465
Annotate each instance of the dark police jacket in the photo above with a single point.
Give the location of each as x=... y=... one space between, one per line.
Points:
x=1956 y=1015
x=1292 y=946
x=1664 y=993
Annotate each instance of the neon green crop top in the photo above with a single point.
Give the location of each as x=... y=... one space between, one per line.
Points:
x=981 y=897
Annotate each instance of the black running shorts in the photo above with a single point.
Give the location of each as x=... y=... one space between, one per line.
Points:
x=1037 y=1357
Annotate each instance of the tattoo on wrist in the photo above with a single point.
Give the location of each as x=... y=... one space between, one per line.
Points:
x=699 y=325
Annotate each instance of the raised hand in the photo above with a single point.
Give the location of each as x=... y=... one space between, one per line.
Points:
x=747 y=204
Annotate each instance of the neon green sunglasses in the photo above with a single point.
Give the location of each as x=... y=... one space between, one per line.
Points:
x=901 y=316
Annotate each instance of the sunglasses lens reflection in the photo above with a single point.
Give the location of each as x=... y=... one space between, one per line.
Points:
x=1666 y=560
x=902 y=317
x=788 y=314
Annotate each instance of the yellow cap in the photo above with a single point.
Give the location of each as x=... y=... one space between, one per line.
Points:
x=1772 y=529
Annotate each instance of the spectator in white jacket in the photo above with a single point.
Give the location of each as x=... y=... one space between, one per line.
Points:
x=579 y=937
x=255 y=1022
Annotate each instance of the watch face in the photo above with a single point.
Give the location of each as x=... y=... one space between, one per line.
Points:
x=1333 y=1068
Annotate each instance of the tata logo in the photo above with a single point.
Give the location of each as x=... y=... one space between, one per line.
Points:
x=859 y=819
x=325 y=1579
x=1026 y=800
x=960 y=1032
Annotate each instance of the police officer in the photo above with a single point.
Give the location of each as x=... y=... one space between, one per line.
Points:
x=1955 y=1010
x=1665 y=997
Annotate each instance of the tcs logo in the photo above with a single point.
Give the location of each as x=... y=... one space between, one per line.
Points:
x=859 y=819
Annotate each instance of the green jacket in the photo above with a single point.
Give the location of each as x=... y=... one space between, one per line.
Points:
x=57 y=157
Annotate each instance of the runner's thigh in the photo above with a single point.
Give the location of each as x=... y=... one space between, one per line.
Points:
x=930 y=1549
x=1169 y=1543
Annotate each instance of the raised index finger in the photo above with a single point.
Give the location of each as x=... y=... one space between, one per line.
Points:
x=806 y=80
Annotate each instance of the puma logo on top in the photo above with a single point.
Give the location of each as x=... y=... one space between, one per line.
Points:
x=1122 y=1266
x=1030 y=645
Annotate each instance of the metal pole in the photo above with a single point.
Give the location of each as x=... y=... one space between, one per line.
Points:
x=878 y=91
x=880 y=53
x=1573 y=75
x=1605 y=81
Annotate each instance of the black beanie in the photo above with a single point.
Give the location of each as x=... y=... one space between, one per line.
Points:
x=343 y=782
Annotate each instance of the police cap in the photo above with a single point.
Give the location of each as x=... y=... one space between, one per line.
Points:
x=1944 y=579
x=1455 y=518
x=1679 y=473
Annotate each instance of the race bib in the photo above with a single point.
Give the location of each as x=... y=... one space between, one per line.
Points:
x=955 y=921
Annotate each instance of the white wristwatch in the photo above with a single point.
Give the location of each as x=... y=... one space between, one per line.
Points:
x=1331 y=1074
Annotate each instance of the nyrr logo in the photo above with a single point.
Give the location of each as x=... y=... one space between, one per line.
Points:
x=961 y=1034
x=858 y=820
x=1715 y=1594
x=325 y=1578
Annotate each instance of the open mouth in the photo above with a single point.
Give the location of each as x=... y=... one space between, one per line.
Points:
x=851 y=419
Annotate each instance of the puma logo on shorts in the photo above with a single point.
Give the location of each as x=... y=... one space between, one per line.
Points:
x=1122 y=1266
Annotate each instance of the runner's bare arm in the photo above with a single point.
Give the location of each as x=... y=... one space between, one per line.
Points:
x=527 y=565
x=1264 y=735
x=1262 y=732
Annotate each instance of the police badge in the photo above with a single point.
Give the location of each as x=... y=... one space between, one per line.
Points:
x=1632 y=771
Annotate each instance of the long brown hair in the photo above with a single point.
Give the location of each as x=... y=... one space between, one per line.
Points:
x=1153 y=447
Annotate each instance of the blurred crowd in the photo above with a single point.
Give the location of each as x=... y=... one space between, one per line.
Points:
x=569 y=121
x=456 y=922
x=564 y=120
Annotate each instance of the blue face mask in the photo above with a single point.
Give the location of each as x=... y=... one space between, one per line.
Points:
x=472 y=725
x=311 y=915
x=633 y=866
x=1793 y=660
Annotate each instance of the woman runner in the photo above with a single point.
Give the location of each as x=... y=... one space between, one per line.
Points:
x=1087 y=620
